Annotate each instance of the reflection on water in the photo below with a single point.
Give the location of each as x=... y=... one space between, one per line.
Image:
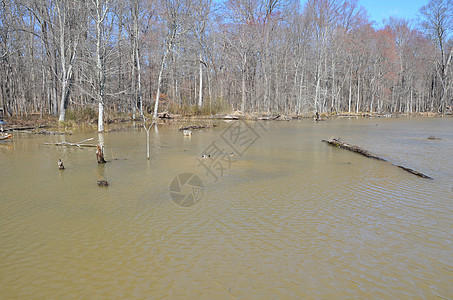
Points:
x=291 y=217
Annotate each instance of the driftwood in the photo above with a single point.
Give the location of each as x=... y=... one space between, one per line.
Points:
x=79 y=144
x=100 y=155
x=193 y=127
x=340 y=144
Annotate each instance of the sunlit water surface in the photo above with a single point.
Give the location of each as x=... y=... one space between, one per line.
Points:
x=290 y=217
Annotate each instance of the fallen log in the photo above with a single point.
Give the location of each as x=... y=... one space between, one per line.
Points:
x=19 y=128
x=282 y=118
x=340 y=144
x=192 y=127
x=53 y=132
x=267 y=118
x=414 y=172
x=227 y=117
x=79 y=144
x=164 y=115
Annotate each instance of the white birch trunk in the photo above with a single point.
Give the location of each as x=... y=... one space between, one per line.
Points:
x=200 y=92
x=159 y=80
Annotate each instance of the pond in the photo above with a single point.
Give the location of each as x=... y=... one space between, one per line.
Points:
x=271 y=213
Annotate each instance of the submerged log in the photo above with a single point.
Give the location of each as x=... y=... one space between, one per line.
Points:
x=100 y=155
x=53 y=132
x=193 y=127
x=340 y=144
x=414 y=172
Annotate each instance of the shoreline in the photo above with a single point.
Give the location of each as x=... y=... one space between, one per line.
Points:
x=34 y=122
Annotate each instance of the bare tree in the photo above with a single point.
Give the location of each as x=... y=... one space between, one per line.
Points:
x=175 y=16
x=68 y=30
x=250 y=55
x=100 y=15
x=201 y=14
x=438 y=24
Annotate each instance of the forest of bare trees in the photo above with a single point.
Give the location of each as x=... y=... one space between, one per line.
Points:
x=147 y=56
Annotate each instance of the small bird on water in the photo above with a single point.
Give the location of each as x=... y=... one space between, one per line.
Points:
x=60 y=164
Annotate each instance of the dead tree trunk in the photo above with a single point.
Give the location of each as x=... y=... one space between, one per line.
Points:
x=100 y=155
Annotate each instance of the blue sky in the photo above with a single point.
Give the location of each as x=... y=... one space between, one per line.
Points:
x=382 y=9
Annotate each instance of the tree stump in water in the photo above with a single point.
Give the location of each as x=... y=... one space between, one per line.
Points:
x=102 y=183
x=60 y=164
x=194 y=127
x=318 y=117
x=100 y=155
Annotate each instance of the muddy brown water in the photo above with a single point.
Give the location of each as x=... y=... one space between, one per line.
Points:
x=290 y=217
